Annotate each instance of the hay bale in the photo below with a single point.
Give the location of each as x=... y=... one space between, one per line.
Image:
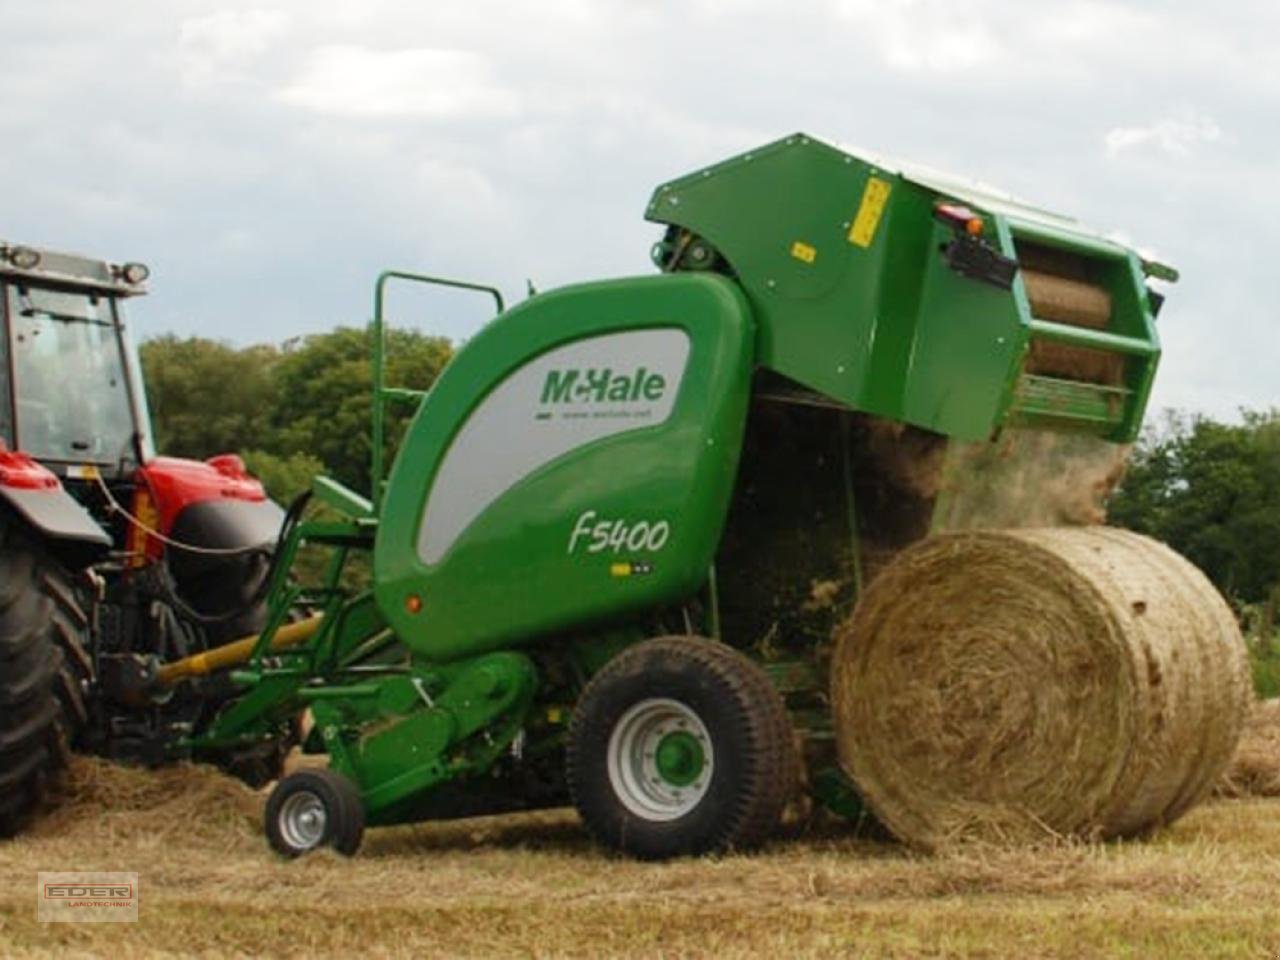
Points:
x=1008 y=684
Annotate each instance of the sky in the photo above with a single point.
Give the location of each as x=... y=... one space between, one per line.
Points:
x=267 y=159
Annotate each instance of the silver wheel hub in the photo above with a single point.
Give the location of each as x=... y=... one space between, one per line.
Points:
x=302 y=820
x=660 y=759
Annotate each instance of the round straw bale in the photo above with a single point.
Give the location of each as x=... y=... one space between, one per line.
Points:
x=1009 y=684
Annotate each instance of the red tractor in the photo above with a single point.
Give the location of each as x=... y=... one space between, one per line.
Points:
x=112 y=559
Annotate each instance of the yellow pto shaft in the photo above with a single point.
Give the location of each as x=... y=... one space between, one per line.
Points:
x=234 y=653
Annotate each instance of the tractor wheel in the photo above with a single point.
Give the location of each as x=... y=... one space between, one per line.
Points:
x=310 y=809
x=680 y=746
x=42 y=662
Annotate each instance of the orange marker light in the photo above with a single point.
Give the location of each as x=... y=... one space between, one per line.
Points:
x=413 y=603
x=959 y=217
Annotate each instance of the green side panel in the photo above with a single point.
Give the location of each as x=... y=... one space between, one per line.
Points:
x=817 y=313
x=847 y=271
x=968 y=341
x=571 y=466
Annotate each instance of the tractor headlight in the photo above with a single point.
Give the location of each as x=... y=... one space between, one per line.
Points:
x=134 y=272
x=24 y=258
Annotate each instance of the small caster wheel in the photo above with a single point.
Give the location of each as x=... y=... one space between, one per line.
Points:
x=310 y=809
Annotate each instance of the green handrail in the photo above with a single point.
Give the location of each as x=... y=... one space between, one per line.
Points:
x=1092 y=339
x=381 y=393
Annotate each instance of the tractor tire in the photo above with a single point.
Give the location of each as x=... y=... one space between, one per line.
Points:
x=315 y=808
x=681 y=746
x=43 y=637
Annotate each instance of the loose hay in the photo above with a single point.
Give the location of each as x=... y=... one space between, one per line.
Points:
x=1028 y=478
x=1014 y=684
x=187 y=801
x=1255 y=771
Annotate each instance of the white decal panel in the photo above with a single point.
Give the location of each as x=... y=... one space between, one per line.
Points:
x=564 y=399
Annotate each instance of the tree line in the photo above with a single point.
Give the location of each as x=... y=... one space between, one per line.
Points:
x=292 y=411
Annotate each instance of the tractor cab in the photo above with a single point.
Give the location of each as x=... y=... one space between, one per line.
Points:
x=73 y=410
x=70 y=392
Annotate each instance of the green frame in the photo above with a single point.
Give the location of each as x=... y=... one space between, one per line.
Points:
x=382 y=394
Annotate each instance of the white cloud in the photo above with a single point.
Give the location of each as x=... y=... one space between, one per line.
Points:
x=215 y=48
x=1177 y=137
x=349 y=80
x=931 y=36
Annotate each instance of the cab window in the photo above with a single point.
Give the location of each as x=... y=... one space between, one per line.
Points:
x=68 y=374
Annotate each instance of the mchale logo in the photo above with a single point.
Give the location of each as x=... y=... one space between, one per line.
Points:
x=602 y=386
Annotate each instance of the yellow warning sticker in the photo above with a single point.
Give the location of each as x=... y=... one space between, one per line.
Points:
x=803 y=252
x=874 y=199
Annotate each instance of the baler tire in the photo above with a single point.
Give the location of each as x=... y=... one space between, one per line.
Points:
x=43 y=634
x=681 y=687
x=343 y=825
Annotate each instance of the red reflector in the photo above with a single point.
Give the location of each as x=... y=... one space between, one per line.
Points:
x=20 y=471
x=954 y=213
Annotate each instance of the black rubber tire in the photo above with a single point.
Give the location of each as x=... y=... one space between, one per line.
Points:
x=43 y=637
x=343 y=809
x=754 y=772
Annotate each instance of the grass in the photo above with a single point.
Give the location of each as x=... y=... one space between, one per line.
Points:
x=1263 y=643
x=1264 y=660
x=533 y=886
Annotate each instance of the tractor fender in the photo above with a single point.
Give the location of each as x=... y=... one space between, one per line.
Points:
x=35 y=495
x=211 y=505
x=221 y=525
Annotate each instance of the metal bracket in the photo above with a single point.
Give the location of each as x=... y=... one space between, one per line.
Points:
x=971 y=257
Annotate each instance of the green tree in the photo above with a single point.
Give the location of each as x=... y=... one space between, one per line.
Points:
x=1212 y=492
x=324 y=401
x=284 y=477
x=208 y=397
x=293 y=407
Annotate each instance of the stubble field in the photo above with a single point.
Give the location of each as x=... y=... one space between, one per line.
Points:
x=533 y=886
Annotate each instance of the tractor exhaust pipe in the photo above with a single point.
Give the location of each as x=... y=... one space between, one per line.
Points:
x=234 y=653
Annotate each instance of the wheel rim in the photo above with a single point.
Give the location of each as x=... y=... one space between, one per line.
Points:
x=302 y=820
x=660 y=759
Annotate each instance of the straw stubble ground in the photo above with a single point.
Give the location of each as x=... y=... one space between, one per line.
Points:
x=532 y=886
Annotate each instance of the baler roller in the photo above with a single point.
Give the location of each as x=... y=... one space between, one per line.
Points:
x=1064 y=300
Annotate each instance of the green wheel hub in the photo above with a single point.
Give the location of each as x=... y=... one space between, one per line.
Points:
x=679 y=758
x=660 y=759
